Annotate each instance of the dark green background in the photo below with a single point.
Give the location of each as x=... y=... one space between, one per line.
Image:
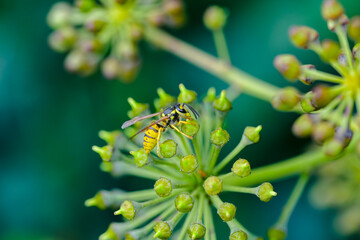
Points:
x=49 y=119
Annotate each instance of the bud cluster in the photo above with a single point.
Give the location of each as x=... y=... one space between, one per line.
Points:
x=186 y=176
x=106 y=33
x=329 y=109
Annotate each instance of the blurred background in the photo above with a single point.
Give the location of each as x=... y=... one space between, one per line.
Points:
x=49 y=119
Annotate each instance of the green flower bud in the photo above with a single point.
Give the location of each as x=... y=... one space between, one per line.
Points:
x=238 y=235
x=276 y=234
x=227 y=211
x=266 y=192
x=109 y=137
x=241 y=168
x=156 y=18
x=288 y=66
x=91 y=45
x=331 y=10
x=94 y=25
x=356 y=51
x=128 y=236
x=303 y=126
x=59 y=15
x=168 y=148
x=105 y=152
x=323 y=131
x=81 y=62
x=196 y=231
x=354 y=28
x=333 y=147
x=252 y=134
x=286 y=99
x=162 y=230
x=213 y=185
x=136 y=32
x=322 y=95
x=137 y=108
x=96 y=201
x=110 y=68
x=62 y=40
x=219 y=137
x=164 y=100
x=129 y=70
x=189 y=164
x=215 y=18
x=115 y=231
x=302 y=36
x=222 y=104
x=307 y=103
x=184 y=202
x=128 y=209
x=190 y=129
x=85 y=5
x=211 y=95
x=330 y=50
x=304 y=77
x=186 y=96
x=140 y=157
x=127 y=51
x=163 y=187
x=173 y=7
x=105 y=199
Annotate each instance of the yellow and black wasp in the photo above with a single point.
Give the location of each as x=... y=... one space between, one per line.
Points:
x=170 y=117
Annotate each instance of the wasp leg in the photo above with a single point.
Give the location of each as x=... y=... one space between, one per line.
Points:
x=174 y=127
x=158 y=143
x=183 y=122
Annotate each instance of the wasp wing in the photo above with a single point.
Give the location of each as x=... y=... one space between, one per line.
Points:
x=196 y=114
x=136 y=119
x=150 y=125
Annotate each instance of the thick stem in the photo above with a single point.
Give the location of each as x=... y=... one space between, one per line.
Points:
x=221 y=46
x=209 y=63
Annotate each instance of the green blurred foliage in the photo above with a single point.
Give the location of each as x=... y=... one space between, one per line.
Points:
x=49 y=119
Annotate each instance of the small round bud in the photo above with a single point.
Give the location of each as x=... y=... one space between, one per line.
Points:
x=163 y=187
x=97 y=201
x=94 y=25
x=241 y=168
x=109 y=137
x=127 y=51
x=189 y=164
x=219 y=137
x=322 y=95
x=304 y=77
x=59 y=15
x=184 y=202
x=213 y=185
x=85 y=5
x=227 y=211
x=105 y=152
x=286 y=99
x=266 y=192
x=114 y=232
x=331 y=9
x=186 y=96
x=330 y=50
x=302 y=36
x=356 y=51
x=162 y=230
x=129 y=70
x=140 y=157
x=333 y=147
x=91 y=45
x=354 y=28
x=136 y=108
x=253 y=133
x=127 y=209
x=81 y=62
x=62 y=40
x=110 y=68
x=303 y=126
x=288 y=66
x=196 y=231
x=172 y=7
x=276 y=234
x=238 y=235
x=307 y=103
x=222 y=104
x=168 y=148
x=164 y=100
x=215 y=18
x=190 y=129
x=323 y=131
x=211 y=95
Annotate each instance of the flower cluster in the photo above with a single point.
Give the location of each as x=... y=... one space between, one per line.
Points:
x=187 y=183
x=108 y=32
x=329 y=109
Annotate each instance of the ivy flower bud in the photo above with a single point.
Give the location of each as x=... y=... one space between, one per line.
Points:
x=211 y=95
x=302 y=36
x=186 y=96
x=94 y=25
x=189 y=164
x=173 y=7
x=322 y=95
x=222 y=104
x=266 y=192
x=190 y=129
x=114 y=232
x=164 y=99
x=241 y=168
x=59 y=15
x=307 y=103
x=288 y=66
x=354 y=28
x=109 y=137
x=331 y=9
x=63 y=39
x=215 y=18
x=85 y=5
x=227 y=211
x=238 y=235
x=137 y=108
x=304 y=77
x=219 y=137
x=168 y=148
x=276 y=234
x=252 y=134
x=333 y=147
x=140 y=157
x=286 y=99
x=81 y=62
x=330 y=50
x=110 y=68
x=356 y=51
x=323 y=131
x=163 y=187
x=196 y=231
x=105 y=152
x=184 y=202
x=213 y=185
x=303 y=126
x=162 y=230
x=128 y=209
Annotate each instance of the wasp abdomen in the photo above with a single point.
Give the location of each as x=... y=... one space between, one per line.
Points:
x=150 y=137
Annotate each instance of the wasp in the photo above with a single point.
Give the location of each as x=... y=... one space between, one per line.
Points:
x=170 y=117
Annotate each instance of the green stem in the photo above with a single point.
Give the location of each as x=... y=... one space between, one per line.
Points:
x=247 y=83
x=209 y=223
x=221 y=46
x=228 y=188
x=344 y=43
x=162 y=199
x=319 y=75
x=201 y=207
x=215 y=151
